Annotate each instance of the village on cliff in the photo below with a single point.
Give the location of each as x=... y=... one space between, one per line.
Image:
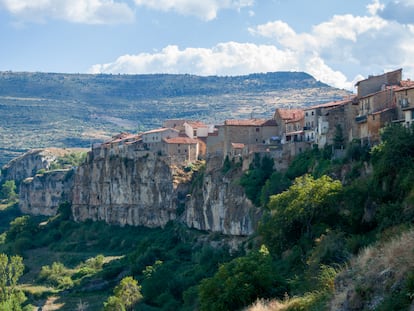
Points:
x=380 y=100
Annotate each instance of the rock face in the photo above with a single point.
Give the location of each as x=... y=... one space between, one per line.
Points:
x=124 y=186
x=27 y=165
x=42 y=194
x=31 y=162
x=219 y=203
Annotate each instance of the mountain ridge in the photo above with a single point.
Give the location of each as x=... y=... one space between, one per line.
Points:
x=77 y=110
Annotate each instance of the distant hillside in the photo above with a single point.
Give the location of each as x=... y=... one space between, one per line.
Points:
x=75 y=110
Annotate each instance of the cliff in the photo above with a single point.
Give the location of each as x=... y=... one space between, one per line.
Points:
x=42 y=194
x=28 y=164
x=122 y=185
x=218 y=203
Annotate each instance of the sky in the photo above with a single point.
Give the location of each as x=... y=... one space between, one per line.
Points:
x=338 y=42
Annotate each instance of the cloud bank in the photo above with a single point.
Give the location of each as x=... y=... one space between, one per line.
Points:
x=75 y=11
x=369 y=43
x=111 y=11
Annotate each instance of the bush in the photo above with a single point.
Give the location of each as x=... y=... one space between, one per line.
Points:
x=240 y=282
x=56 y=275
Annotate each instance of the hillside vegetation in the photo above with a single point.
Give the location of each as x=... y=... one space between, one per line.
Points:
x=336 y=235
x=76 y=110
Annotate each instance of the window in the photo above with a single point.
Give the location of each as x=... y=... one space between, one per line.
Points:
x=257 y=129
x=313 y=112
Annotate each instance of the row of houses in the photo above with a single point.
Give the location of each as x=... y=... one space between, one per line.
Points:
x=379 y=100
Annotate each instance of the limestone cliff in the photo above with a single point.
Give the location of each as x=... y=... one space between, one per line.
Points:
x=125 y=185
x=121 y=185
x=28 y=164
x=219 y=204
x=42 y=194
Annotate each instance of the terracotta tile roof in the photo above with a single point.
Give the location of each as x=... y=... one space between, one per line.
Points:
x=291 y=115
x=332 y=104
x=181 y=140
x=295 y=133
x=382 y=111
x=159 y=130
x=237 y=145
x=122 y=137
x=196 y=124
x=406 y=83
x=249 y=122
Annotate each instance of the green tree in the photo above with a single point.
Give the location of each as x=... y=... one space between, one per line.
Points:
x=240 y=282
x=11 y=269
x=126 y=294
x=277 y=183
x=8 y=190
x=393 y=162
x=114 y=304
x=254 y=179
x=338 y=140
x=308 y=204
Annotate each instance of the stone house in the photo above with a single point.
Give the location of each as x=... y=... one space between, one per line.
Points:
x=290 y=124
x=321 y=122
x=177 y=124
x=250 y=132
x=215 y=142
x=152 y=140
x=404 y=102
x=374 y=112
x=377 y=83
x=181 y=149
x=194 y=129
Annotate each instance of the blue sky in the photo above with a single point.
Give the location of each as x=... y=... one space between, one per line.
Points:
x=338 y=42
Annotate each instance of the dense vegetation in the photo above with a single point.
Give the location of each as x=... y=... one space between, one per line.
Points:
x=318 y=215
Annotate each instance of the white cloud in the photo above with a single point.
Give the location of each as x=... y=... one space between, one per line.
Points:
x=230 y=58
x=336 y=51
x=316 y=67
x=344 y=39
x=76 y=11
x=204 y=9
x=375 y=7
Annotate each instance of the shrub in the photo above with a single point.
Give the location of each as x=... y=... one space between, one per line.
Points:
x=240 y=282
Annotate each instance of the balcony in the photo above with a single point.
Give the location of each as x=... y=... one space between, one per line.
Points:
x=361 y=119
x=404 y=104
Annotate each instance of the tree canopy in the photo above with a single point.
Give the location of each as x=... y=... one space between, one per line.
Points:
x=294 y=212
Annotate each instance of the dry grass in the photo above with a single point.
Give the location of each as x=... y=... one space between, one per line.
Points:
x=267 y=305
x=374 y=271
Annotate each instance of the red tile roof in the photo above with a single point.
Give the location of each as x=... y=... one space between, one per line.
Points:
x=163 y=129
x=237 y=145
x=332 y=104
x=196 y=124
x=122 y=137
x=181 y=140
x=406 y=83
x=291 y=115
x=250 y=122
